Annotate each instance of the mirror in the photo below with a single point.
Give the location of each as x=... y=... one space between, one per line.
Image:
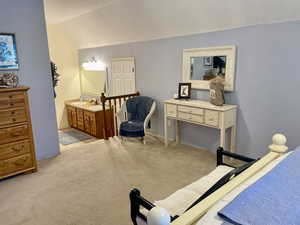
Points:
x=204 y=64
x=92 y=82
x=207 y=67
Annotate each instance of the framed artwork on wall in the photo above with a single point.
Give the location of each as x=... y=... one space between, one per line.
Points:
x=8 y=52
x=184 y=90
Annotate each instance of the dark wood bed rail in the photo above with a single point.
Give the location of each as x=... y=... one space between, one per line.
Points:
x=137 y=200
x=113 y=103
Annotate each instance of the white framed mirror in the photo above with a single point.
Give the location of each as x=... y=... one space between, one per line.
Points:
x=200 y=65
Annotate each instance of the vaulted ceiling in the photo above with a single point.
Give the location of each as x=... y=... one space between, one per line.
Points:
x=58 y=11
x=92 y=23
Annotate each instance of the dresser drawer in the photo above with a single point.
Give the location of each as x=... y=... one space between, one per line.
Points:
x=12 y=99
x=171 y=110
x=14 y=103
x=212 y=118
x=192 y=110
x=14 y=149
x=11 y=116
x=191 y=117
x=16 y=164
x=16 y=133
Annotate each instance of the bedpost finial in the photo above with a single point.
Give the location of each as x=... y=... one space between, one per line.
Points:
x=278 y=143
x=158 y=216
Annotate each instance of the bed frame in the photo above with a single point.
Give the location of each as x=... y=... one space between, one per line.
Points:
x=159 y=216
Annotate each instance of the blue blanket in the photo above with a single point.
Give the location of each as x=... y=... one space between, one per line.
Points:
x=272 y=200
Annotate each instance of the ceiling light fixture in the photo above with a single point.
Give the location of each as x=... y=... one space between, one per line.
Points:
x=94 y=65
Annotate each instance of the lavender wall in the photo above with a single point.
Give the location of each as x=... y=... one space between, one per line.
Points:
x=26 y=19
x=267 y=81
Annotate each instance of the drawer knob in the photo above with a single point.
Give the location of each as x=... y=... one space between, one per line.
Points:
x=20 y=162
x=14 y=119
x=18 y=149
x=11 y=104
x=13 y=113
x=16 y=134
x=10 y=96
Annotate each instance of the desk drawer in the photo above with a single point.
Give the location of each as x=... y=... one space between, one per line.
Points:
x=14 y=149
x=192 y=110
x=212 y=118
x=191 y=117
x=16 y=164
x=171 y=110
x=11 y=116
x=16 y=133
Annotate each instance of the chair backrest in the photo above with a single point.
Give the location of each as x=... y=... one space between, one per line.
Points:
x=138 y=107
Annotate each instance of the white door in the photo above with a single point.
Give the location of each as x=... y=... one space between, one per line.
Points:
x=123 y=76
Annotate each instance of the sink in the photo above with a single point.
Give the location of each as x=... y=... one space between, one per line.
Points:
x=78 y=103
x=95 y=107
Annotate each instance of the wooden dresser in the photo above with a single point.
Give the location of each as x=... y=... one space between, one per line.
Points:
x=17 y=153
x=89 y=118
x=202 y=113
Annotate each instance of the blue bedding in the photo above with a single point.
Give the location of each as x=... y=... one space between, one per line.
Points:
x=272 y=200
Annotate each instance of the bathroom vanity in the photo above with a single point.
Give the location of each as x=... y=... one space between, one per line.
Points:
x=88 y=118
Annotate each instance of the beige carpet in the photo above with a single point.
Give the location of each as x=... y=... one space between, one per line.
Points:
x=88 y=184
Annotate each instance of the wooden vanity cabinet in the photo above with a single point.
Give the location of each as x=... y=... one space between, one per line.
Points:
x=90 y=122
x=72 y=116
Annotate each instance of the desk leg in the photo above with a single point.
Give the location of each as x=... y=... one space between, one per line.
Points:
x=177 y=131
x=233 y=139
x=166 y=128
x=222 y=137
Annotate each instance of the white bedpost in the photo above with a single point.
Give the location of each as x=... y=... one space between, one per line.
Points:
x=278 y=143
x=158 y=216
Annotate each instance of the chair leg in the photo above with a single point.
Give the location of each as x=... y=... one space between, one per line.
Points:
x=143 y=140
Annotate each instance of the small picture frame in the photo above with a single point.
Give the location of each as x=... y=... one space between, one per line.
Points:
x=8 y=52
x=207 y=61
x=184 y=90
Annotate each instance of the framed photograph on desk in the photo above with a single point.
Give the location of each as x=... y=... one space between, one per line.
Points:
x=184 y=90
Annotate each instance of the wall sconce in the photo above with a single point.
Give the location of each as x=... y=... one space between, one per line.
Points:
x=94 y=65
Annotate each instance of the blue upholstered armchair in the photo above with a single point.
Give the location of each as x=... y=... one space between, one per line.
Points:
x=134 y=116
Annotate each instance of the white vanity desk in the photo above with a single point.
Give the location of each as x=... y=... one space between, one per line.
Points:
x=202 y=113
